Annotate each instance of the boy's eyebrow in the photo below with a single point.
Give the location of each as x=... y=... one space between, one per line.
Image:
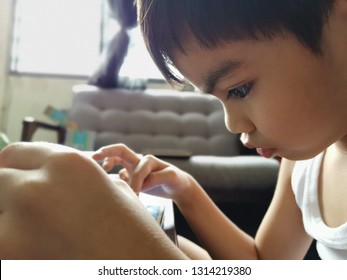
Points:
x=212 y=78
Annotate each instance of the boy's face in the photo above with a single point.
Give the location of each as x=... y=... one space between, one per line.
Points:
x=282 y=98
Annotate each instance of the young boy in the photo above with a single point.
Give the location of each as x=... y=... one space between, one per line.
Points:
x=280 y=70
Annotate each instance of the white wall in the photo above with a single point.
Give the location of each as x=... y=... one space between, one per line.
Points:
x=22 y=96
x=29 y=96
x=4 y=28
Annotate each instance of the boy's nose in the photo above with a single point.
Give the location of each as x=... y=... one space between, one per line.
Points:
x=238 y=124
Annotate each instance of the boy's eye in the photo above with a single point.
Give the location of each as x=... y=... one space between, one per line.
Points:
x=240 y=92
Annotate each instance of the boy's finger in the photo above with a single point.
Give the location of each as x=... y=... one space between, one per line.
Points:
x=121 y=151
x=145 y=167
x=124 y=175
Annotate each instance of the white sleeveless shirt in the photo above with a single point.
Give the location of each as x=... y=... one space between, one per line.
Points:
x=331 y=242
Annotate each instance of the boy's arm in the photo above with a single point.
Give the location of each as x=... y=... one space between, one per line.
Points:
x=222 y=239
x=280 y=236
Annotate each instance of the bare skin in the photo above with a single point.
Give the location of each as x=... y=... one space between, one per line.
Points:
x=61 y=205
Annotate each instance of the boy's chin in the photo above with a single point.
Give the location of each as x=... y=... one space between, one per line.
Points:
x=297 y=155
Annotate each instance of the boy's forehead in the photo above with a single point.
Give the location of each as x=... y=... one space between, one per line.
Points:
x=203 y=66
x=190 y=64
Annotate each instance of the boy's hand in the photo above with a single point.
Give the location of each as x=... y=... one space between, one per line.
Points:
x=146 y=173
x=58 y=204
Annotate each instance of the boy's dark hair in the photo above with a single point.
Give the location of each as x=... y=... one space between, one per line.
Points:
x=165 y=23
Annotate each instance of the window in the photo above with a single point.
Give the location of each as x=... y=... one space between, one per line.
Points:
x=137 y=58
x=65 y=37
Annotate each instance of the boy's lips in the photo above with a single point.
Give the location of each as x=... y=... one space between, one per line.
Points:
x=267 y=153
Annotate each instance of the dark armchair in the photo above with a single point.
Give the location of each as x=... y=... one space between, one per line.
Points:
x=30 y=125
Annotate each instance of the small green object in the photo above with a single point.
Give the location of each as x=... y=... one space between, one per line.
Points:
x=4 y=141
